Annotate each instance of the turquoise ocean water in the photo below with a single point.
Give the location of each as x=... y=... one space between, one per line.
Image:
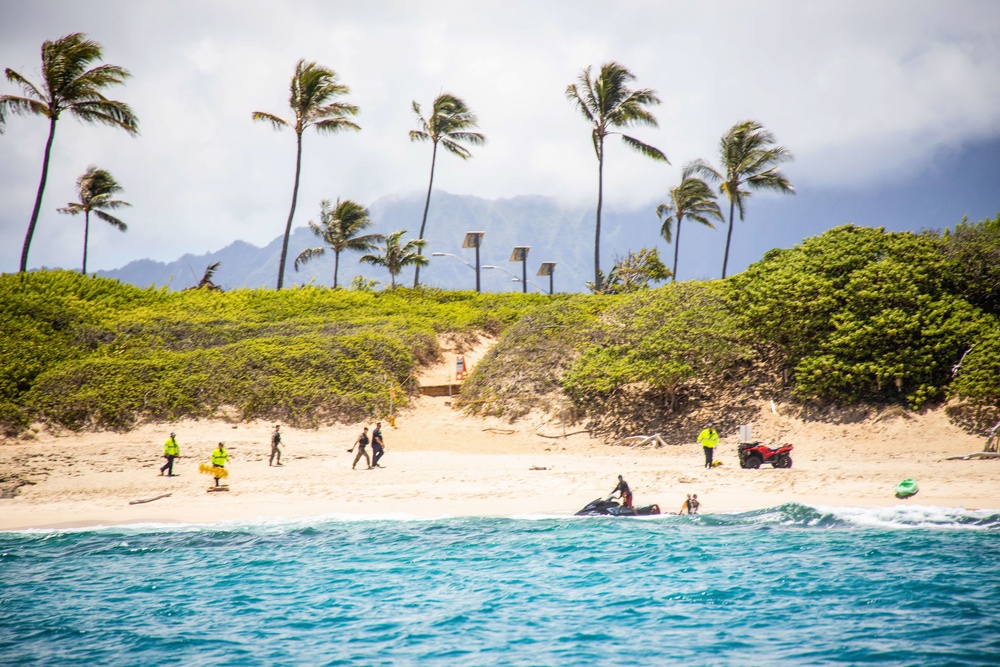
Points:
x=792 y=585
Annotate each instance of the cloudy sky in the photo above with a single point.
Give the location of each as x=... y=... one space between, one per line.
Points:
x=869 y=96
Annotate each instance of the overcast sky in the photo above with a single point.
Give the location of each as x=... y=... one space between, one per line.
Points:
x=865 y=94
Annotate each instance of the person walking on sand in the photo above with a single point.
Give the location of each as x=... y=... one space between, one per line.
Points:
x=361 y=443
x=624 y=493
x=171 y=450
x=709 y=439
x=378 y=445
x=275 y=445
x=219 y=459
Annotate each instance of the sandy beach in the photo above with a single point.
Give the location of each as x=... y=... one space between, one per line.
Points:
x=441 y=463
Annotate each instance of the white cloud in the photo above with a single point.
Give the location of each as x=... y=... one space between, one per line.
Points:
x=863 y=93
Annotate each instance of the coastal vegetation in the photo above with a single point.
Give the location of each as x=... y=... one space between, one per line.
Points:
x=312 y=89
x=450 y=125
x=68 y=86
x=856 y=316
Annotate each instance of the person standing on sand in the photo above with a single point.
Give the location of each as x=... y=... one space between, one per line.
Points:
x=219 y=458
x=686 y=506
x=378 y=446
x=275 y=445
x=171 y=450
x=694 y=505
x=624 y=493
x=709 y=439
x=361 y=443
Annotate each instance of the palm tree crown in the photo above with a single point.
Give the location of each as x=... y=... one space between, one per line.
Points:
x=449 y=125
x=608 y=103
x=339 y=227
x=312 y=88
x=95 y=188
x=691 y=199
x=749 y=161
x=396 y=257
x=67 y=85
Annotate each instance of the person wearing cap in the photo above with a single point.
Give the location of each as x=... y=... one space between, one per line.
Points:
x=709 y=439
x=378 y=446
x=171 y=450
x=361 y=443
x=275 y=445
x=219 y=458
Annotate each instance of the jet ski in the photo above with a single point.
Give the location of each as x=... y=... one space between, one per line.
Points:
x=608 y=507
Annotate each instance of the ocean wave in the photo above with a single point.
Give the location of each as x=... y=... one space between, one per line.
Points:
x=896 y=517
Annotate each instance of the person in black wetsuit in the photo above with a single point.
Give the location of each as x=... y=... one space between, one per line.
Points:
x=624 y=493
x=378 y=446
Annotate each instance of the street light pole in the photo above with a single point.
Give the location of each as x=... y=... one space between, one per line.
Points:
x=520 y=254
x=474 y=240
x=547 y=269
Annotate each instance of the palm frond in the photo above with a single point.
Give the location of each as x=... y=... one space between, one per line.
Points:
x=106 y=112
x=645 y=149
x=276 y=122
x=308 y=255
x=26 y=86
x=23 y=106
x=334 y=125
x=112 y=220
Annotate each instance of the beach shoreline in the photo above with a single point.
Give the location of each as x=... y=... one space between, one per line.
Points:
x=441 y=463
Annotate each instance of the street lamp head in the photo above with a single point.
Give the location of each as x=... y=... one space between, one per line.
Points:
x=439 y=254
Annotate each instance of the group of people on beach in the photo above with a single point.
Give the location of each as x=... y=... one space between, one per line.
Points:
x=219 y=457
x=378 y=447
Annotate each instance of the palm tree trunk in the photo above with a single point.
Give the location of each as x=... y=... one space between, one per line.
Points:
x=38 y=196
x=597 y=227
x=427 y=205
x=336 y=267
x=86 y=235
x=729 y=236
x=677 y=245
x=291 y=211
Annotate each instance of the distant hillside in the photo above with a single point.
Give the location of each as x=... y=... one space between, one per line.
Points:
x=556 y=233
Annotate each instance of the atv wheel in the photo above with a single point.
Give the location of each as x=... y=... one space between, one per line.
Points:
x=753 y=462
x=783 y=461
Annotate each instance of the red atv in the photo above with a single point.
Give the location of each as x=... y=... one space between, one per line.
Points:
x=754 y=454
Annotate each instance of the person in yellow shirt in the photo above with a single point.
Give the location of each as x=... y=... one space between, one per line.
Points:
x=709 y=439
x=171 y=450
x=219 y=458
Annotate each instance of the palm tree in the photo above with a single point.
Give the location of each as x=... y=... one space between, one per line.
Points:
x=311 y=88
x=95 y=188
x=749 y=161
x=339 y=227
x=607 y=103
x=67 y=85
x=449 y=125
x=396 y=257
x=691 y=199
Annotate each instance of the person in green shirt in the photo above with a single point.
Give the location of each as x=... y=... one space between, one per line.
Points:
x=709 y=439
x=219 y=458
x=171 y=450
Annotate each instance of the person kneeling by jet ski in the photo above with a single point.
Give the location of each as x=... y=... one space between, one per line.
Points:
x=624 y=493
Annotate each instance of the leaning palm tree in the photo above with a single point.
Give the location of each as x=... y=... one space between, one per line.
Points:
x=449 y=125
x=311 y=88
x=691 y=199
x=608 y=103
x=749 y=161
x=95 y=188
x=396 y=257
x=67 y=85
x=339 y=227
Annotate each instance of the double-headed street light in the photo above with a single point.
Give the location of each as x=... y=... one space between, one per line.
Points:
x=472 y=240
